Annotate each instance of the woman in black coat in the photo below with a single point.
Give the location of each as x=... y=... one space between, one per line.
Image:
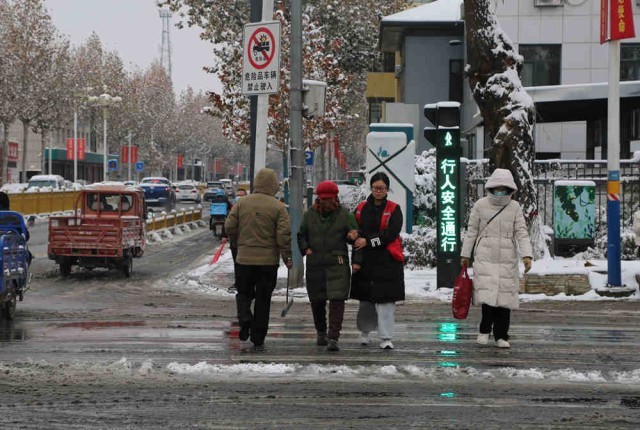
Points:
x=378 y=279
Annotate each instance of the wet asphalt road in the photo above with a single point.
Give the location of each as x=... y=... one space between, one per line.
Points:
x=99 y=351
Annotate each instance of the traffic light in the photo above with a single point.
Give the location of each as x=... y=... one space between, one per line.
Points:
x=443 y=115
x=445 y=137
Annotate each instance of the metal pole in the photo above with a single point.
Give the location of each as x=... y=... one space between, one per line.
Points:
x=295 y=133
x=104 y=144
x=613 y=166
x=262 y=107
x=130 y=160
x=256 y=14
x=75 y=145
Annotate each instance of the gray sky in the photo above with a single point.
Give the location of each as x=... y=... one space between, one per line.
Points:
x=134 y=29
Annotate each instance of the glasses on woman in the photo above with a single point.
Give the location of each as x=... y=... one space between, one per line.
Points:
x=379 y=189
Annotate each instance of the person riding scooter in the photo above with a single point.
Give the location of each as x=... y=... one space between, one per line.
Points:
x=219 y=209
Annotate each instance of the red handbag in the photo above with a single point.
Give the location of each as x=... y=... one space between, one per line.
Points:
x=462 y=291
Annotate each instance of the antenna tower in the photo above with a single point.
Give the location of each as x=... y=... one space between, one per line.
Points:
x=165 y=50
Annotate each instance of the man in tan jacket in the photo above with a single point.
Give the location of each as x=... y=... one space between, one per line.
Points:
x=258 y=225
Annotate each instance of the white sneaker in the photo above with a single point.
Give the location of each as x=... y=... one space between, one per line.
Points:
x=386 y=344
x=501 y=343
x=363 y=339
x=482 y=339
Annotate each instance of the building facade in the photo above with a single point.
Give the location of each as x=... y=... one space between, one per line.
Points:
x=565 y=72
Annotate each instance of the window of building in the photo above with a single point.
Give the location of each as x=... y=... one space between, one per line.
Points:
x=456 y=81
x=375 y=112
x=388 y=62
x=541 y=65
x=630 y=62
x=547 y=155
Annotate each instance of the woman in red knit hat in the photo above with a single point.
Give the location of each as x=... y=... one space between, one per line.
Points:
x=323 y=236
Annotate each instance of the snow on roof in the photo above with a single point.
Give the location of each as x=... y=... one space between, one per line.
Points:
x=45 y=177
x=437 y=11
x=570 y=183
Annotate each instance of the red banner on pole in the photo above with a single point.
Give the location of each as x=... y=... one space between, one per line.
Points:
x=125 y=154
x=604 y=21
x=218 y=166
x=180 y=161
x=70 y=149
x=621 y=18
x=81 y=148
x=13 y=151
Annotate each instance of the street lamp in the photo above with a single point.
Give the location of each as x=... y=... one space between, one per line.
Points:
x=105 y=101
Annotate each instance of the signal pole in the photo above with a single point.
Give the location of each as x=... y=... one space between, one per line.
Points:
x=295 y=133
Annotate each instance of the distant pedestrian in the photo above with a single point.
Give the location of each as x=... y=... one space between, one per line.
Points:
x=323 y=236
x=495 y=231
x=378 y=279
x=259 y=226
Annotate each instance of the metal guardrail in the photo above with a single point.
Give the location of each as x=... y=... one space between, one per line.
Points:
x=173 y=219
x=546 y=172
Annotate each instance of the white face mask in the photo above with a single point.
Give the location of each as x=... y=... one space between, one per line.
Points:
x=499 y=200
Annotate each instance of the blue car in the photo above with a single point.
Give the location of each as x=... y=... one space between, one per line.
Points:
x=158 y=191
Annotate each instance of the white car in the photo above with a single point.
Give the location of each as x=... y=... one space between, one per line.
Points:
x=188 y=192
x=46 y=182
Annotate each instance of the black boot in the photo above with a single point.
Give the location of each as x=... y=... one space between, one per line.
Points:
x=321 y=339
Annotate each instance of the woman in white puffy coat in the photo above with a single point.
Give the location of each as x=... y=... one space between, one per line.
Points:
x=495 y=266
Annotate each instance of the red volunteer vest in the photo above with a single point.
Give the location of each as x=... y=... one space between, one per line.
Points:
x=395 y=246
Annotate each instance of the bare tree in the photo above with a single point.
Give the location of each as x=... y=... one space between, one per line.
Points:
x=33 y=45
x=8 y=80
x=507 y=110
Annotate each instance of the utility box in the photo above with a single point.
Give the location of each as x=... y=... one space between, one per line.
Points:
x=574 y=210
x=313 y=97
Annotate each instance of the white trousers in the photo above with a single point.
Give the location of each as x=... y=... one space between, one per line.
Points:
x=381 y=316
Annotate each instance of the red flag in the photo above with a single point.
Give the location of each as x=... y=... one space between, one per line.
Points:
x=70 y=149
x=620 y=20
x=180 y=161
x=125 y=154
x=81 y=148
x=216 y=257
x=604 y=21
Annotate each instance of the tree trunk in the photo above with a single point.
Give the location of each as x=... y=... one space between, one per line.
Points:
x=25 y=145
x=507 y=110
x=5 y=152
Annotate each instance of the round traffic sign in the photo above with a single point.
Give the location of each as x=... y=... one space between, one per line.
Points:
x=261 y=47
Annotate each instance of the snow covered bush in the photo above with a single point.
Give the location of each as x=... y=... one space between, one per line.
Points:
x=424 y=197
x=420 y=247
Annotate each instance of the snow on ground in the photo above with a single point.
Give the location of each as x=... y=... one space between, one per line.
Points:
x=443 y=370
x=125 y=368
x=421 y=284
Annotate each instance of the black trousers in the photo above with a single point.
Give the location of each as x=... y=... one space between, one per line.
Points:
x=497 y=320
x=255 y=283
x=336 y=315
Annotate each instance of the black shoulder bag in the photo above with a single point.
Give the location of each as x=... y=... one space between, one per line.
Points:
x=473 y=250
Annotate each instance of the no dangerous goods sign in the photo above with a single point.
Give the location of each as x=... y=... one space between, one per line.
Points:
x=261 y=58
